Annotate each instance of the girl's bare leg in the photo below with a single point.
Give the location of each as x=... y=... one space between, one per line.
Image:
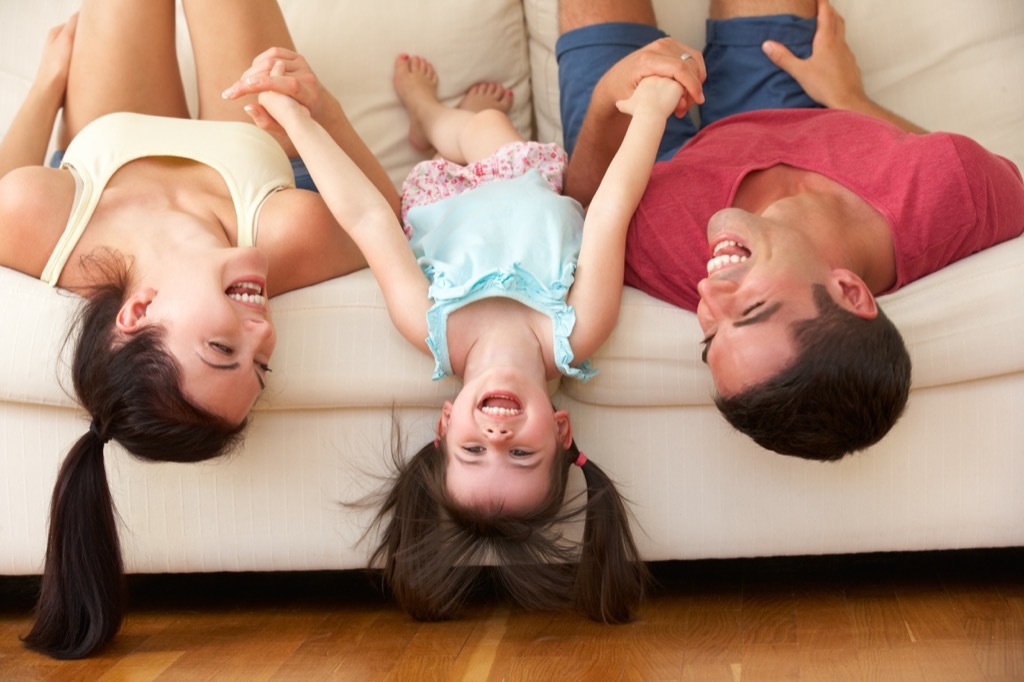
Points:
x=226 y=36
x=465 y=134
x=124 y=59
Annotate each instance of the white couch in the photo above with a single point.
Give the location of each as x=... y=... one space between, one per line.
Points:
x=950 y=475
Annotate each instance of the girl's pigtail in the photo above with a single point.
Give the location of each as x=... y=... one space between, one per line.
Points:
x=82 y=595
x=610 y=577
x=413 y=552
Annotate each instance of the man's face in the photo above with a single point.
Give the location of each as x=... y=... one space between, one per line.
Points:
x=760 y=281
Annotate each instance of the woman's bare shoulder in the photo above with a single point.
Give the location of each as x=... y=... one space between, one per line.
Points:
x=303 y=241
x=35 y=202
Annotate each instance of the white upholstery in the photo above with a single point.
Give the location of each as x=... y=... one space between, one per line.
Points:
x=951 y=474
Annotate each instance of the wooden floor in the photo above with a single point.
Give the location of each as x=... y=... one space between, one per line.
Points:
x=955 y=616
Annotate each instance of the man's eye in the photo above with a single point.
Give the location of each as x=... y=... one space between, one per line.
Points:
x=706 y=343
x=752 y=308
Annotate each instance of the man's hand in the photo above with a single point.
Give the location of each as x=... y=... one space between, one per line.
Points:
x=663 y=58
x=830 y=76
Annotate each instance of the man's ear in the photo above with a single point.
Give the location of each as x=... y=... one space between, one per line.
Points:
x=854 y=295
x=564 y=428
x=132 y=315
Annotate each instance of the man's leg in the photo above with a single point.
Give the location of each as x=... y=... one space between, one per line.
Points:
x=730 y=9
x=573 y=14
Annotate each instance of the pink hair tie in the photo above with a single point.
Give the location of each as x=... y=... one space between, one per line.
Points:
x=581 y=460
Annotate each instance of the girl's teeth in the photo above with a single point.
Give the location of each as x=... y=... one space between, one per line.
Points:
x=249 y=298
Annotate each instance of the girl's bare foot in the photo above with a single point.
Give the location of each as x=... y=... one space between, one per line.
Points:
x=415 y=82
x=487 y=95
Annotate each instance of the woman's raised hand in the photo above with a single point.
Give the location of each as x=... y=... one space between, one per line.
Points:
x=283 y=71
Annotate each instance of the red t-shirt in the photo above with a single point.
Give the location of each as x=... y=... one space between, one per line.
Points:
x=943 y=195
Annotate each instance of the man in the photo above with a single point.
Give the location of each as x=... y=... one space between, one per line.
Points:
x=780 y=221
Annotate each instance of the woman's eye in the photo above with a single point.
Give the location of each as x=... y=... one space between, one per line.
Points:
x=220 y=348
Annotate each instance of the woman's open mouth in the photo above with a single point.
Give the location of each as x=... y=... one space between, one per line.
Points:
x=249 y=293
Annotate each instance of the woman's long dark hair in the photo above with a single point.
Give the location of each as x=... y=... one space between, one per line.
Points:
x=130 y=386
x=432 y=551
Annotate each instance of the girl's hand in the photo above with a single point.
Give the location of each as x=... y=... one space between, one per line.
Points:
x=656 y=95
x=279 y=70
x=52 y=74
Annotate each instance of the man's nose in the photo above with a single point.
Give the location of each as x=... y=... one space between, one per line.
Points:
x=713 y=295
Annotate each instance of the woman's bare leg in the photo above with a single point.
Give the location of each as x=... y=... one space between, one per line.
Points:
x=226 y=36
x=124 y=59
x=467 y=133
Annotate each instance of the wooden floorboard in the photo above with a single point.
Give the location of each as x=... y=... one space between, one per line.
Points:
x=921 y=616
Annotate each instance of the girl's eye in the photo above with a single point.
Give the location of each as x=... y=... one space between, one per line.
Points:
x=220 y=347
x=474 y=449
x=520 y=453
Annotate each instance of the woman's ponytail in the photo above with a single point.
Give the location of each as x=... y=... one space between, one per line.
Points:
x=82 y=595
x=131 y=385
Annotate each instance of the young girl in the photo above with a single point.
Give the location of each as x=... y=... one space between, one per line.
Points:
x=175 y=231
x=507 y=286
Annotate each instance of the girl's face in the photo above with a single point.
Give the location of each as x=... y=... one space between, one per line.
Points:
x=502 y=437
x=218 y=327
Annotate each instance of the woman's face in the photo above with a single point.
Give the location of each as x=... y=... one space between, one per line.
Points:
x=502 y=437
x=217 y=325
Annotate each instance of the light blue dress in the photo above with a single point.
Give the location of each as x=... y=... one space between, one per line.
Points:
x=511 y=238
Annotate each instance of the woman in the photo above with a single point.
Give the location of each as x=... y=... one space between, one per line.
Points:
x=175 y=232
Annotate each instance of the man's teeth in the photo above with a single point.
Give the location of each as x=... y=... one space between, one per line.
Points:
x=721 y=260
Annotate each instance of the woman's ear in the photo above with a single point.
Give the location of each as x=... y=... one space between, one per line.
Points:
x=563 y=428
x=854 y=295
x=132 y=315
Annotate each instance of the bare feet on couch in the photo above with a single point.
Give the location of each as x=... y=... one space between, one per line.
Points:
x=486 y=95
x=415 y=82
